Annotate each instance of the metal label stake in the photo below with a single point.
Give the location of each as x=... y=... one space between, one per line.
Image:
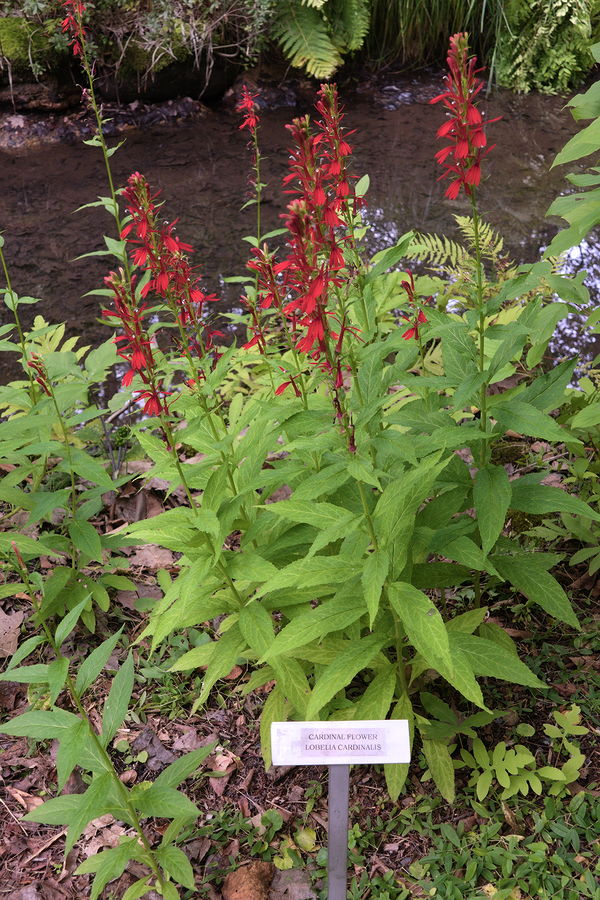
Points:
x=337 y=832
x=338 y=745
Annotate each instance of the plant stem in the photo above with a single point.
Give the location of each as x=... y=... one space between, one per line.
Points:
x=481 y=325
x=18 y=324
x=108 y=763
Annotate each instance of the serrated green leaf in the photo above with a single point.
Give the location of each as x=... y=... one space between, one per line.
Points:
x=41 y=724
x=57 y=675
x=543 y=498
x=86 y=539
x=340 y=673
x=491 y=497
x=34 y=674
x=331 y=615
x=441 y=767
x=69 y=751
x=95 y=662
x=530 y=577
x=117 y=703
x=64 y=628
x=490 y=659
x=397 y=773
x=373 y=577
x=423 y=625
x=175 y=862
x=177 y=771
x=163 y=802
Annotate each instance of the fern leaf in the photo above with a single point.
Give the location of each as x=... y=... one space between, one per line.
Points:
x=437 y=250
x=303 y=35
x=349 y=22
x=490 y=242
x=316 y=4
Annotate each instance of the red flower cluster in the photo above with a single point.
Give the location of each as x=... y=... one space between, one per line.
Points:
x=41 y=374
x=418 y=317
x=134 y=345
x=156 y=248
x=465 y=127
x=247 y=106
x=315 y=221
x=72 y=24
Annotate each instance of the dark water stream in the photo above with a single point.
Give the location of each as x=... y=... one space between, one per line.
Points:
x=201 y=169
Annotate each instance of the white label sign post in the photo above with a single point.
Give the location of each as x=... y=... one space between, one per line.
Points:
x=339 y=745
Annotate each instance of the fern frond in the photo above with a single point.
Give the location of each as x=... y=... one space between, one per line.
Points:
x=490 y=242
x=316 y=4
x=349 y=22
x=303 y=35
x=437 y=250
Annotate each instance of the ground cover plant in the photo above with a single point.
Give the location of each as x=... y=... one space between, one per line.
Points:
x=341 y=526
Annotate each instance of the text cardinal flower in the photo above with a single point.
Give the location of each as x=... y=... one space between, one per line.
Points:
x=464 y=128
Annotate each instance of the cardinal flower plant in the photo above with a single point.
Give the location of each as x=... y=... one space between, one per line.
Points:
x=334 y=514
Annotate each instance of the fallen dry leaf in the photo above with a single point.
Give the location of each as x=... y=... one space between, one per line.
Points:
x=27 y=801
x=158 y=755
x=9 y=632
x=224 y=762
x=151 y=556
x=251 y=882
x=292 y=884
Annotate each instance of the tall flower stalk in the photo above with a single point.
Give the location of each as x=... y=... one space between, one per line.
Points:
x=461 y=159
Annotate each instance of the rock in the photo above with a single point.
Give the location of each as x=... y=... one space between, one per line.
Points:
x=251 y=882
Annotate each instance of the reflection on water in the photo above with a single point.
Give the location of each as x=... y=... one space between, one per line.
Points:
x=202 y=170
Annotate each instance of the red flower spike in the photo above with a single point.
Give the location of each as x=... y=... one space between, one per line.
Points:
x=72 y=25
x=464 y=128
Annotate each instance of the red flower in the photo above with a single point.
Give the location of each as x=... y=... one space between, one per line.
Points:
x=462 y=157
x=72 y=25
x=247 y=106
x=41 y=374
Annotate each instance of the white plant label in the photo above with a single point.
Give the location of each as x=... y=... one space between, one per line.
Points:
x=340 y=743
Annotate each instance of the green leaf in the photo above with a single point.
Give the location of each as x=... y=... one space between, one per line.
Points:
x=491 y=659
x=292 y=682
x=385 y=259
x=514 y=415
x=542 y=498
x=397 y=773
x=95 y=802
x=423 y=625
x=42 y=724
x=588 y=417
x=373 y=578
x=138 y=889
x=58 y=811
x=86 y=539
x=467 y=553
x=69 y=752
x=441 y=767
x=177 y=771
x=318 y=570
x=491 y=497
x=57 y=675
x=530 y=577
x=376 y=700
x=26 y=648
x=340 y=673
x=229 y=647
x=331 y=615
x=64 y=628
x=117 y=703
x=163 y=803
x=321 y=515
x=95 y=662
x=581 y=144
x=35 y=674
x=108 y=865
x=276 y=709
x=175 y=862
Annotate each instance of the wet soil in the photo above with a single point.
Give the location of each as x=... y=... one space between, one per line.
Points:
x=197 y=157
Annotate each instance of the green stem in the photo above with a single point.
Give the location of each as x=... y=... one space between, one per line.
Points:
x=368 y=516
x=76 y=699
x=481 y=324
x=18 y=324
